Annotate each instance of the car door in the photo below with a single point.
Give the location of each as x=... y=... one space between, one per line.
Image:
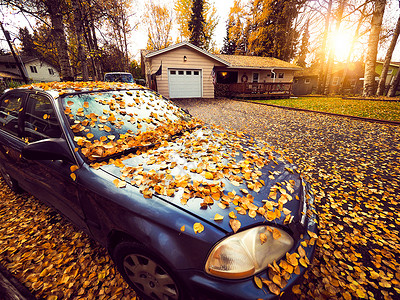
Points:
x=49 y=180
x=11 y=140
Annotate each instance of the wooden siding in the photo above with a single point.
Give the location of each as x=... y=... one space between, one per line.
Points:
x=174 y=60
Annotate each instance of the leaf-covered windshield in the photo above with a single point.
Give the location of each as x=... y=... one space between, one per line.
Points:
x=110 y=122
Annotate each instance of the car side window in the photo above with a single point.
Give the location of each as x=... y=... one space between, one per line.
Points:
x=40 y=119
x=10 y=107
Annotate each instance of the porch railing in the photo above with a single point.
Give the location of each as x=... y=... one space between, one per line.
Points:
x=261 y=88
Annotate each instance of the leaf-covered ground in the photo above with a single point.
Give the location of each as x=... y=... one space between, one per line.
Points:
x=381 y=110
x=354 y=168
x=50 y=257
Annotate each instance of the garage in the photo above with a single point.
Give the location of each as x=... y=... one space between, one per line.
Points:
x=184 y=83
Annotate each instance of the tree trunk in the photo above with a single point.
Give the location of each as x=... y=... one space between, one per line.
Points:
x=373 y=40
x=388 y=58
x=395 y=85
x=331 y=57
x=60 y=39
x=322 y=73
x=78 y=23
x=346 y=67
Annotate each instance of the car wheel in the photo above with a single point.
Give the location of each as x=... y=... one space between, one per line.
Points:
x=11 y=182
x=147 y=275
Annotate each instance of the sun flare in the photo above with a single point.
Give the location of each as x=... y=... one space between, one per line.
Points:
x=341 y=43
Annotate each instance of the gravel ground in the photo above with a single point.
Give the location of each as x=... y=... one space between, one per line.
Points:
x=354 y=168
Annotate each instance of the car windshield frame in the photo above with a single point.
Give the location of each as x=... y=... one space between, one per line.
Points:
x=119 y=77
x=94 y=125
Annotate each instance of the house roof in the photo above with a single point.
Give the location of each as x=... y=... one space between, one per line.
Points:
x=10 y=75
x=232 y=61
x=392 y=63
x=353 y=67
x=256 y=62
x=10 y=59
x=185 y=44
x=307 y=72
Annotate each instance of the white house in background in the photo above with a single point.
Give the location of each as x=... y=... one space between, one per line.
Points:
x=186 y=71
x=37 y=70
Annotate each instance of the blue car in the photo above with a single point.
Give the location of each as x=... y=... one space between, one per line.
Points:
x=186 y=210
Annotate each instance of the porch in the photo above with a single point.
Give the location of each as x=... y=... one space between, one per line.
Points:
x=254 y=89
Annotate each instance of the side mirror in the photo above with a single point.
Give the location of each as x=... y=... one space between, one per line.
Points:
x=48 y=149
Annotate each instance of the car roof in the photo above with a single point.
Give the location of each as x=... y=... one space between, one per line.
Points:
x=56 y=89
x=118 y=73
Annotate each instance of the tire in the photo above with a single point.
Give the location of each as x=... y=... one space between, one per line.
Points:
x=145 y=273
x=11 y=182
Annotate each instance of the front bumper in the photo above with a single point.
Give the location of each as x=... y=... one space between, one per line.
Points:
x=203 y=286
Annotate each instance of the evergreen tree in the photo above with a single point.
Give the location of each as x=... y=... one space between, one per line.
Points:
x=197 y=24
x=304 y=47
x=271 y=28
x=238 y=28
x=229 y=46
x=28 y=48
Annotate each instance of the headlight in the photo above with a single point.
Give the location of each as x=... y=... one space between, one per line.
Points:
x=243 y=254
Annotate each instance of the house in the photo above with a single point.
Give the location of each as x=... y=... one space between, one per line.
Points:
x=392 y=71
x=36 y=69
x=186 y=71
x=344 y=79
x=305 y=82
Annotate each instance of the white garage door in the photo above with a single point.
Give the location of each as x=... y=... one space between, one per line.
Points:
x=184 y=83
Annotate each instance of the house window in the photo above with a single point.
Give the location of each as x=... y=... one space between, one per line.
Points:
x=307 y=81
x=335 y=81
x=195 y=72
x=51 y=71
x=280 y=75
x=273 y=75
x=181 y=73
x=188 y=72
x=255 y=77
x=227 y=77
x=172 y=72
x=33 y=69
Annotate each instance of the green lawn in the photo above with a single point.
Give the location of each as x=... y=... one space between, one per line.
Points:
x=382 y=110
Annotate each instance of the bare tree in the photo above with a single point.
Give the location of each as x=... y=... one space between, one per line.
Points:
x=331 y=56
x=158 y=19
x=54 y=10
x=388 y=58
x=376 y=24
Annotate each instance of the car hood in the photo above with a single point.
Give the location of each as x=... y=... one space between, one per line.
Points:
x=217 y=176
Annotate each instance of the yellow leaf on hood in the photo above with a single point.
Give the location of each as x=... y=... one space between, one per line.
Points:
x=198 y=228
x=218 y=217
x=235 y=225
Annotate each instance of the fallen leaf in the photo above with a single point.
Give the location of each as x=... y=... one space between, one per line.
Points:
x=198 y=228
x=235 y=225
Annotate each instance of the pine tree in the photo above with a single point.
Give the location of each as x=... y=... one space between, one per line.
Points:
x=197 y=24
x=28 y=48
x=229 y=46
x=271 y=31
x=304 y=47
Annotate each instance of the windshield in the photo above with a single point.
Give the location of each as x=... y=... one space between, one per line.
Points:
x=119 y=77
x=111 y=122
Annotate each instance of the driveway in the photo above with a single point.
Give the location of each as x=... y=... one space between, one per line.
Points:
x=354 y=168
